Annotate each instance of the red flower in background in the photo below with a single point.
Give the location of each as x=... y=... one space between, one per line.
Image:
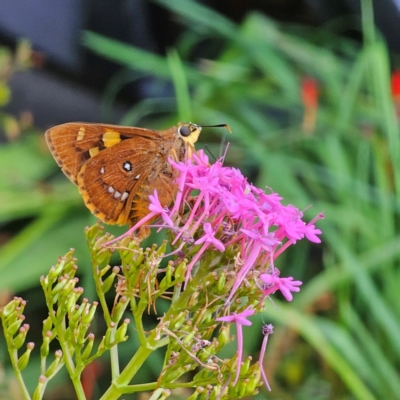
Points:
x=309 y=92
x=309 y=97
x=395 y=81
x=395 y=86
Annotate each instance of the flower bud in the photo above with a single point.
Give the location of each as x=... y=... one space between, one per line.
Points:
x=139 y=259
x=24 y=359
x=59 y=286
x=120 y=335
x=9 y=308
x=14 y=327
x=180 y=272
x=245 y=366
x=223 y=336
x=72 y=308
x=71 y=269
x=69 y=287
x=254 y=376
x=241 y=388
x=19 y=340
x=168 y=278
x=94 y=231
x=196 y=393
x=104 y=270
x=38 y=393
x=221 y=284
x=76 y=312
x=104 y=255
x=107 y=339
x=169 y=272
x=88 y=349
x=89 y=312
x=119 y=309
x=206 y=393
x=108 y=283
x=53 y=366
x=214 y=393
x=98 y=244
x=44 y=348
x=47 y=324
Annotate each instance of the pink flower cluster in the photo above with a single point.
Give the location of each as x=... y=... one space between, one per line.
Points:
x=228 y=211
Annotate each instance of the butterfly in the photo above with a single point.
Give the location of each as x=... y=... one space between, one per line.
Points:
x=116 y=168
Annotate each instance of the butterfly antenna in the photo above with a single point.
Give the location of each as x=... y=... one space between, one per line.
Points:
x=218 y=126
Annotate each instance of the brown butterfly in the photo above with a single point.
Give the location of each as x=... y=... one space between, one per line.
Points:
x=116 y=168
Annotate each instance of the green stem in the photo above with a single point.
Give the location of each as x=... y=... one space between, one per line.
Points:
x=114 y=358
x=14 y=360
x=67 y=358
x=117 y=387
x=138 y=316
x=101 y=295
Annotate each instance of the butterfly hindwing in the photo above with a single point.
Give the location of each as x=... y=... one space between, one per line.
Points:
x=117 y=191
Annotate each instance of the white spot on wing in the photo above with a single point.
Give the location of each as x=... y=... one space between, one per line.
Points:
x=137 y=176
x=117 y=194
x=124 y=196
x=127 y=166
x=102 y=170
x=110 y=189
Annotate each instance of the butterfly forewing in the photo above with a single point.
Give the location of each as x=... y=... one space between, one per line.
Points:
x=74 y=143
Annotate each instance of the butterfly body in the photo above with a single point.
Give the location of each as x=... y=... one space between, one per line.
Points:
x=116 y=168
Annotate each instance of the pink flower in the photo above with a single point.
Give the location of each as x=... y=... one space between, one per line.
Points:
x=240 y=320
x=267 y=330
x=209 y=237
x=157 y=208
x=285 y=285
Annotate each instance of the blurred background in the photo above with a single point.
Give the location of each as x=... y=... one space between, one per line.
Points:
x=311 y=91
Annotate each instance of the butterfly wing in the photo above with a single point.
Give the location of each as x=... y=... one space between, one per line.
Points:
x=73 y=144
x=116 y=168
x=116 y=183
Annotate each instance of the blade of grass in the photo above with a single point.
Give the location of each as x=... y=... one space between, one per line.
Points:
x=178 y=76
x=308 y=328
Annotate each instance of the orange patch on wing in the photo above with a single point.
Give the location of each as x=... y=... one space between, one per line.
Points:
x=111 y=138
x=81 y=133
x=93 y=151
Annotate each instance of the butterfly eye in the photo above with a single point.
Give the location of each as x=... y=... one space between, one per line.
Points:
x=185 y=130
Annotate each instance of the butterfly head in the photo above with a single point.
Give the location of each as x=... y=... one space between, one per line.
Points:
x=189 y=132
